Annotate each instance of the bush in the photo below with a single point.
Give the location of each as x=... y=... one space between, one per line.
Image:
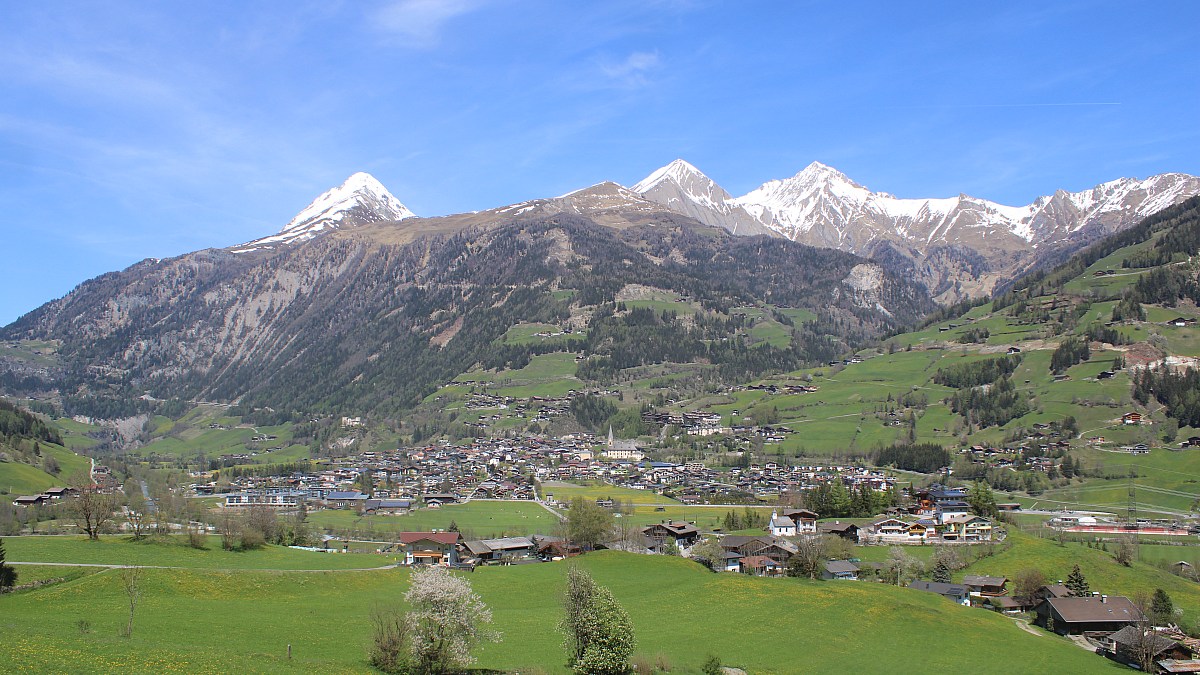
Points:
x=390 y=644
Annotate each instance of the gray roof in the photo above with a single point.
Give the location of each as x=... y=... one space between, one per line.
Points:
x=1131 y=636
x=840 y=567
x=955 y=590
x=973 y=580
x=508 y=543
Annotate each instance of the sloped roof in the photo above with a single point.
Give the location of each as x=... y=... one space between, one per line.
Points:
x=1095 y=610
x=941 y=589
x=840 y=567
x=1131 y=636
x=973 y=580
x=439 y=537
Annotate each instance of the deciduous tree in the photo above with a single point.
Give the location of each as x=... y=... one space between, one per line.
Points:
x=131 y=583
x=806 y=562
x=598 y=632
x=447 y=620
x=588 y=524
x=91 y=508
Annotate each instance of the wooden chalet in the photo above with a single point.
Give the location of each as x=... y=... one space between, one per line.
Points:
x=988 y=587
x=681 y=532
x=1097 y=614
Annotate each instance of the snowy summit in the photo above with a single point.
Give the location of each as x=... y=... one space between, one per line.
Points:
x=360 y=199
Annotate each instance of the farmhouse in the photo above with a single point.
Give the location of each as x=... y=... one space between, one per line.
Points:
x=681 y=532
x=1126 y=646
x=848 y=531
x=394 y=506
x=1093 y=614
x=506 y=548
x=429 y=548
x=761 y=566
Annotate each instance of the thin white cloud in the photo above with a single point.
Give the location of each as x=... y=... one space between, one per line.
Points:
x=418 y=23
x=634 y=71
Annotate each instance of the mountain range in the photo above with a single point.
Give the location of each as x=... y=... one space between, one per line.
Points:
x=958 y=246
x=358 y=304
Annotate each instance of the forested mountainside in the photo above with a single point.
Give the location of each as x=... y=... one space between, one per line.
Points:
x=354 y=324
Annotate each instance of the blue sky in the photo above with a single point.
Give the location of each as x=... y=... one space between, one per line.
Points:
x=131 y=130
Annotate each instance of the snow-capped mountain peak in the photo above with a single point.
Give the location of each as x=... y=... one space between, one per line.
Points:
x=359 y=199
x=678 y=171
x=957 y=246
x=685 y=189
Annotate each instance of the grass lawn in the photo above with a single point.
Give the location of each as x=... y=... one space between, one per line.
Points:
x=30 y=573
x=484 y=519
x=120 y=550
x=564 y=492
x=705 y=517
x=204 y=621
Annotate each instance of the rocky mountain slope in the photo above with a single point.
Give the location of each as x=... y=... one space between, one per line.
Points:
x=958 y=247
x=359 y=306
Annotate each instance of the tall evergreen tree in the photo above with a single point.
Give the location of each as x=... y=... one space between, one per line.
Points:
x=941 y=571
x=1077 y=585
x=1162 y=609
x=8 y=575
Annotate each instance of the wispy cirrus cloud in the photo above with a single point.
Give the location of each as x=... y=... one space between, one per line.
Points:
x=419 y=23
x=634 y=71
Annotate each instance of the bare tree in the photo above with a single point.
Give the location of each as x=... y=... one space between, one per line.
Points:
x=1146 y=641
x=806 y=562
x=91 y=508
x=1027 y=583
x=390 y=644
x=1127 y=549
x=131 y=581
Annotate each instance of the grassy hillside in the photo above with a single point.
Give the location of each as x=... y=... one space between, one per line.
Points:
x=243 y=621
x=176 y=553
x=1102 y=572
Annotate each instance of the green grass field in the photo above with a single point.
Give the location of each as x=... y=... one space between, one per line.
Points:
x=483 y=519
x=174 y=552
x=22 y=479
x=202 y=621
x=564 y=492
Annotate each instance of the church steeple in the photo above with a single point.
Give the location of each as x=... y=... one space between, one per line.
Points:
x=610 y=437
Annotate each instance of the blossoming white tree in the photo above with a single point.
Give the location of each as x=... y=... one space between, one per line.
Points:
x=446 y=621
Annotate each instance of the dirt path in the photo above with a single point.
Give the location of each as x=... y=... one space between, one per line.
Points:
x=1024 y=625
